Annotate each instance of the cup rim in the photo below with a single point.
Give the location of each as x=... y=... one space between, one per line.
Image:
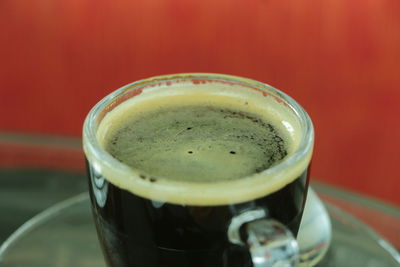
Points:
x=177 y=192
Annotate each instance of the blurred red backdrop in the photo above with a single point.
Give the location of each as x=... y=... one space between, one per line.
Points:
x=338 y=58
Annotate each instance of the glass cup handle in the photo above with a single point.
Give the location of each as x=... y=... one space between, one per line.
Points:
x=270 y=243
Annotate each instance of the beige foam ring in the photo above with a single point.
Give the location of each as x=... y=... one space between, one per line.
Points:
x=229 y=96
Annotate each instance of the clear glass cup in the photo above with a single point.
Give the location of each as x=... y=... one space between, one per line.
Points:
x=142 y=221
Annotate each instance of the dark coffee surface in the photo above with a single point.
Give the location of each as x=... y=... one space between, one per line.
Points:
x=197 y=143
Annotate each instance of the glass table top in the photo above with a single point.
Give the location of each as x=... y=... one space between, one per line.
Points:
x=65 y=235
x=51 y=170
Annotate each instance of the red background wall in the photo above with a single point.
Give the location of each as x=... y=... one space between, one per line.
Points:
x=338 y=58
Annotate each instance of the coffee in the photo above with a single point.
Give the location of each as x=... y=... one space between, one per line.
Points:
x=179 y=159
x=194 y=134
x=196 y=143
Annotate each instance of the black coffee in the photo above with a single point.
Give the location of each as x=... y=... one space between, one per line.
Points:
x=140 y=232
x=197 y=157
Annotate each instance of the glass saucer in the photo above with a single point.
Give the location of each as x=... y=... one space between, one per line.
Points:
x=64 y=235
